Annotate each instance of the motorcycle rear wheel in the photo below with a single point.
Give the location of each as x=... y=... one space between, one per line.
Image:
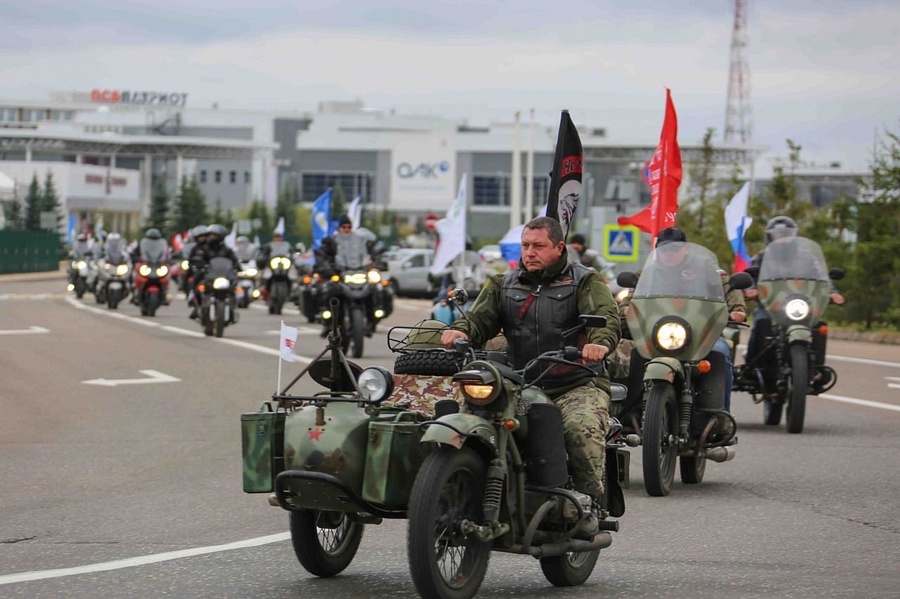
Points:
x=660 y=431
x=569 y=569
x=444 y=562
x=325 y=543
x=692 y=469
x=796 y=408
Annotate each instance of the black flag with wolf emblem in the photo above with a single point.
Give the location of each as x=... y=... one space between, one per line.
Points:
x=565 y=180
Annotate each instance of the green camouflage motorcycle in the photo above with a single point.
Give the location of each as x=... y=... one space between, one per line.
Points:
x=787 y=363
x=676 y=314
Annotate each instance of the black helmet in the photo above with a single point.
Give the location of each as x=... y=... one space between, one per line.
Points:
x=217 y=229
x=577 y=238
x=153 y=234
x=779 y=227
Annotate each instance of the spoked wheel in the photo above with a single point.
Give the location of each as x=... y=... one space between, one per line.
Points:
x=324 y=542
x=659 y=441
x=692 y=469
x=445 y=562
x=796 y=409
x=357 y=331
x=570 y=569
x=772 y=411
x=220 y=319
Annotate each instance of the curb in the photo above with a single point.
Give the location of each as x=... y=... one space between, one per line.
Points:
x=885 y=338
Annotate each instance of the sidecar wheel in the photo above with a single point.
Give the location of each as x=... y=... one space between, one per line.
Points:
x=692 y=470
x=796 y=409
x=324 y=542
x=570 y=569
x=445 y=562
x=772 y=412
x=434 y=363
x=659 y=447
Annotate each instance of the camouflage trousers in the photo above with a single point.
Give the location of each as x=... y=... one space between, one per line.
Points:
x=585 y=413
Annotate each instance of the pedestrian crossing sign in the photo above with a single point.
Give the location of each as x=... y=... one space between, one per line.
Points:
x=621 y=243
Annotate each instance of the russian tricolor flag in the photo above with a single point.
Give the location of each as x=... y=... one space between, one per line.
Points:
x=736 y=224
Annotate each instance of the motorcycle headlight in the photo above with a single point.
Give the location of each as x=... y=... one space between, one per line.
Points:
x=374 y=276
x=145 y=270
x=80 y=264
x=279 y=262
x=250 y=272
x=185 y=265
x=121 y=270
x=355 y=278
x=162 y=271
x=375 y=383
x=479 y=387
x=221 y=283
x=671 y=335
x=796 y=309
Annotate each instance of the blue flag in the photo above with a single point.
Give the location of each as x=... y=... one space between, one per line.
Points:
x=321 y=218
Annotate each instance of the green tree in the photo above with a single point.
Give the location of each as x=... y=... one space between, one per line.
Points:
x=260 y=211
x=33 y=205
x=284 y=208
x=13 y=212
x=50 y=198
x=159 y=207
x=190 y=205
x=338 y=200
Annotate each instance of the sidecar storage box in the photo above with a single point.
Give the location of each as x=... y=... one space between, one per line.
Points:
x=393 y=459
x=262 y=443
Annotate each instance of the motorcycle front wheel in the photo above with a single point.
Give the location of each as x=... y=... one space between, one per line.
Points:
x=444 y=561
x=152 y=303
x=796 y=408
x=357 y=331
x=324 y=542
x=772 y=411
x=80 y=287
x=220 y=319
x=659 y=446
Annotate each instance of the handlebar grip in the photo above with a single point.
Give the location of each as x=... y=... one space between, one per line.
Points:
x=571 y=353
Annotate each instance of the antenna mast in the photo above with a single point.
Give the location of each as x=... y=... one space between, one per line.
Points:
x=738 y=124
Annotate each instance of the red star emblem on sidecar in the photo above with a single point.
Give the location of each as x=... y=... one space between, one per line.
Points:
x=315 y=434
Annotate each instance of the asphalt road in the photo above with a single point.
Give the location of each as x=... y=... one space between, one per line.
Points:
x=151 y=473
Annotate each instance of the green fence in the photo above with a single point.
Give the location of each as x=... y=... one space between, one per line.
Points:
x=28 y=251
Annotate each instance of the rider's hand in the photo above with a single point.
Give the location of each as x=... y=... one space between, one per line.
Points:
x=594 y=352
x=451 y=335
x=836 y=298
x=737 y=316
x=750 y=293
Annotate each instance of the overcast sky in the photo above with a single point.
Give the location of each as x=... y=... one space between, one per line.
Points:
x=825 y=73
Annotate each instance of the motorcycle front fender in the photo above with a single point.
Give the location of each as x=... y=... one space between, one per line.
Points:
x=457 y=429
x=664 y=369
x=798 y=333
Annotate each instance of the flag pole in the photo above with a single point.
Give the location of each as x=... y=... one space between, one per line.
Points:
x=278 y=384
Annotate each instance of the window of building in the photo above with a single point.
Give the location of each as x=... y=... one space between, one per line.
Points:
x=232 y=177
x=247 y=177
x=203 y=176
x=354 y=184
x=218 y=176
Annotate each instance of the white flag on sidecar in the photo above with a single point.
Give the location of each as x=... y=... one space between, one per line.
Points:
x=288 y=340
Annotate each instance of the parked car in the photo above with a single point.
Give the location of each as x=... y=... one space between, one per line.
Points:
x=408 y=272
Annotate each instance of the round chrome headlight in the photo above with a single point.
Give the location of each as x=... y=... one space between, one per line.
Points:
x=374 y=276
x=221 y=283
x=797 y=309
x=375 y=383
x=671 y=336
x=145 y=270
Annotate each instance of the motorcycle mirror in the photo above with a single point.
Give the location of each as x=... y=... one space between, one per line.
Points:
x=585 y=321
x=740 y=280
x=627 y=279
x=836 y=274
x=459 y=296
x=753 y=271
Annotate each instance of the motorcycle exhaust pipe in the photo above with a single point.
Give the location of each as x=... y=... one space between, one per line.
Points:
x=720 y=454
x=601 y=540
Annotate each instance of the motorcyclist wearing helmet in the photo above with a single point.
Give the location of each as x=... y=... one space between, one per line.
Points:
x=351 y=248
x=213 y=246
x=778 y=228
x=152 y=248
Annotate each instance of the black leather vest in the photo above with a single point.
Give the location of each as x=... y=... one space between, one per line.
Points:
x=553 y=309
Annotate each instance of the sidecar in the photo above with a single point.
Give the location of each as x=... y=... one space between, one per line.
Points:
x=343 y=457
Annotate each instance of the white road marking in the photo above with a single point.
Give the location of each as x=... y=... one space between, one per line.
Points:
x=154 y=377
x=32 y=330
x=861 y=361
x=861 y=402
x=140 y=561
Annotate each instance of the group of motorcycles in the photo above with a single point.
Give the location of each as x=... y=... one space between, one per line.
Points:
x=473 y=455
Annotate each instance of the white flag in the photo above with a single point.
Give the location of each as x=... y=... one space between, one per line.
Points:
x=231 y=238
x=279 y=228
x=288 y=340
x=354 y=211
x=452 y=231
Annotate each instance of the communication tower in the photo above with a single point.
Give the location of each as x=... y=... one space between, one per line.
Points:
x=738 y=122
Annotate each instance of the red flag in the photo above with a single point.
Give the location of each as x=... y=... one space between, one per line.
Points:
x=176 y=242
x=565 y=179
x=663 y=174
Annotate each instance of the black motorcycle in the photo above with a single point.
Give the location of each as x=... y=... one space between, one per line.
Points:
x=277 y=281
x=364 y=301
x=218 y=300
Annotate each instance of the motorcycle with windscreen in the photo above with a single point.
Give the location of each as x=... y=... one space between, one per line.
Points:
x=677 y=410
x=786 y=361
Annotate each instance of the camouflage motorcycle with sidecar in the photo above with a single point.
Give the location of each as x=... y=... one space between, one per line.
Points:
x=454 y=440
